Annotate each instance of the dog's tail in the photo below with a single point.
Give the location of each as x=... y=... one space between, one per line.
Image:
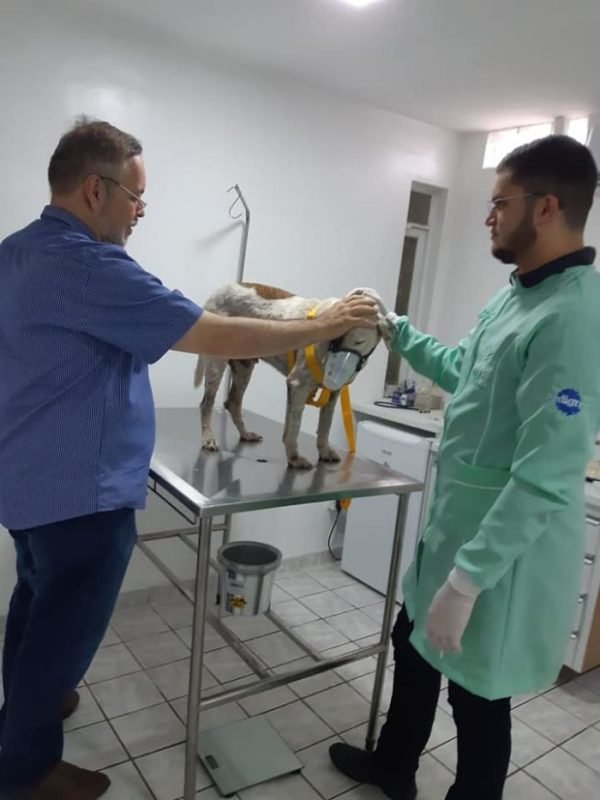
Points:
x=199 y=373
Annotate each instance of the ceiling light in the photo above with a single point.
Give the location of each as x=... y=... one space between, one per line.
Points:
x=359 y=3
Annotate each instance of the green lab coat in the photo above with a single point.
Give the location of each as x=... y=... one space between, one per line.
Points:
x=508 y=504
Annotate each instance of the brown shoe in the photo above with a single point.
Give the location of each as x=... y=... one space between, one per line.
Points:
x=68 y=782
x=70 y=704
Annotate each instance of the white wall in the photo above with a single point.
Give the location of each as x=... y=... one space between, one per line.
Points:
x=469 y=276
x=328 y=181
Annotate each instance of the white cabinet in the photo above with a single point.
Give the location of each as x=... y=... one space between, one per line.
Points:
x=369 y=531
x=583 y=651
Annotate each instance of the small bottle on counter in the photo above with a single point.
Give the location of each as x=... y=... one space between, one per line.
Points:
x=423 y=398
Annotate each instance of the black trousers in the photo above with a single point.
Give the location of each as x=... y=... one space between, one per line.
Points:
x=483 y=727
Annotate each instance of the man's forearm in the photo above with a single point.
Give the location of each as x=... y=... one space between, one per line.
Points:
x=240 y=337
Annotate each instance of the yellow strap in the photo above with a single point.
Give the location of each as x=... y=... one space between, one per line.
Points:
x=320 y=396
x=313 y=365
x=348 y=419
x=317 y=373
x=318 y=401
x=315 y=370
x=350 y=436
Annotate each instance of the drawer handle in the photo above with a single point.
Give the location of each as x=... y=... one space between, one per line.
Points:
x=582 y=598
x=589 y=560
x=575 y=635
x=592 y=521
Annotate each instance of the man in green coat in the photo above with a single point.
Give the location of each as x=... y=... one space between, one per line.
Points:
x=492 y=593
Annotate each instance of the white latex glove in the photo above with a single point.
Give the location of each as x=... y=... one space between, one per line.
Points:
x=388 y=326
x=450 y=612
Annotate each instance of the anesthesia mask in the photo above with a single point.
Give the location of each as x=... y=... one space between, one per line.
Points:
x=342 y=365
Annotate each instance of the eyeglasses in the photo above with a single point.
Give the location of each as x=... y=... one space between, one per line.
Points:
x=132 y=195
x=499 y=203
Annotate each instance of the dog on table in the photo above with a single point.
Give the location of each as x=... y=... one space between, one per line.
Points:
x=343 y=357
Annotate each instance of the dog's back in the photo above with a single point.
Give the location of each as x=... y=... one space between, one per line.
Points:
x=259 y=301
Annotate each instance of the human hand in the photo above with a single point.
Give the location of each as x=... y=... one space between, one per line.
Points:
x=450 y=612
x=353 y=311
x=387 y=321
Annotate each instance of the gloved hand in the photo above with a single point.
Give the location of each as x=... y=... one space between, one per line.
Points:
x=388 y=327
x=450 y=612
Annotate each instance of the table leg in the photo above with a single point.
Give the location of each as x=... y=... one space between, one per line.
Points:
x=388 y=617
x=195 y=685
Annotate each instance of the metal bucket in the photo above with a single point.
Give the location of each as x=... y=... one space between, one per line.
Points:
x=247 y=577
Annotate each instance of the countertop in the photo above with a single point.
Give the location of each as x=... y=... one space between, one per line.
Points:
x=431 y=423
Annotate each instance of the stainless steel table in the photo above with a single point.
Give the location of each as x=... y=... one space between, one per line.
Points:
x=203 y=487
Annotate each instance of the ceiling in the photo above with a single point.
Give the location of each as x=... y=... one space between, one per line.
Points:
x=460 y=64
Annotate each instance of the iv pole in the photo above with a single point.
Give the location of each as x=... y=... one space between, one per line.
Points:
x=245 y=214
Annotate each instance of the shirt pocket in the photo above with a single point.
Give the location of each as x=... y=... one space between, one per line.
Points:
x=476 y=477
x=468 y=493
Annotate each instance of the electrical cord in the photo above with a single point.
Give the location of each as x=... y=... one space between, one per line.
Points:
x=331 y=532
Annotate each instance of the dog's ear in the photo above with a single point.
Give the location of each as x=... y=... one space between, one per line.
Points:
x=374 y=295
x=385 y=325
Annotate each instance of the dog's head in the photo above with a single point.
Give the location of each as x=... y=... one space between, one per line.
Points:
x=386 y=328
x=347 y=356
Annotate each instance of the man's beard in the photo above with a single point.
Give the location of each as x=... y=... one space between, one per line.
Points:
x=112 y=239
x=521 y=239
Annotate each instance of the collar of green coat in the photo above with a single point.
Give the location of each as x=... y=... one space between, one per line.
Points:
x=580 y=258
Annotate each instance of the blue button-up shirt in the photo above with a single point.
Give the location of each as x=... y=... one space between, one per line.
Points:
x=80 y=321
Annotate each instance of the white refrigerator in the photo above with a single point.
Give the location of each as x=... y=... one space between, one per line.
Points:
x=370 y=525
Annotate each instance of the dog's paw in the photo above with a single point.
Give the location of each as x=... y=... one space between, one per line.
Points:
x=250 y=437
x=210 y=445
x=329 y=455
x=299 y=462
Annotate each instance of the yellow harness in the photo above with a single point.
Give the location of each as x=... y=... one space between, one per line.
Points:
x=321 y=395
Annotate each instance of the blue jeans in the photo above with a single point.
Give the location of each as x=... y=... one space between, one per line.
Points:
x=68 y=579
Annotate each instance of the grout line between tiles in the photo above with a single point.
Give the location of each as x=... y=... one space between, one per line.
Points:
x=330 y=734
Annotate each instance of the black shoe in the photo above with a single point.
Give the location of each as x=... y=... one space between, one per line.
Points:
x=355 y=763
x=361 y=767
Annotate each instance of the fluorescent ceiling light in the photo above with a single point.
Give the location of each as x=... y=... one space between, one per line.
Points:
x=359 y=3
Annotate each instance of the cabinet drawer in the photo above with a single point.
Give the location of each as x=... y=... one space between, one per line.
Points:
x=571 y=652
x=592 y=536
x=581 y=608
x=587 y=574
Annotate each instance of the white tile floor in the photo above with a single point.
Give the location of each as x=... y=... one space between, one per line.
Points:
x=131 y=719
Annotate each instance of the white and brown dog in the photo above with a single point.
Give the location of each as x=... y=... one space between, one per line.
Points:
x=267 y=302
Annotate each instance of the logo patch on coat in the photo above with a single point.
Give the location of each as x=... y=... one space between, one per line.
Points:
x=568 y=402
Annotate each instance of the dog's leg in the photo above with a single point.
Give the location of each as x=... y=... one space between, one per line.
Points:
x=241 y=372
x=326 y=451
x=298 y=393
x=213 y=373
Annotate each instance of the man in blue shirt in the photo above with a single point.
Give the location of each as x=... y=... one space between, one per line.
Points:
x=80 y=321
